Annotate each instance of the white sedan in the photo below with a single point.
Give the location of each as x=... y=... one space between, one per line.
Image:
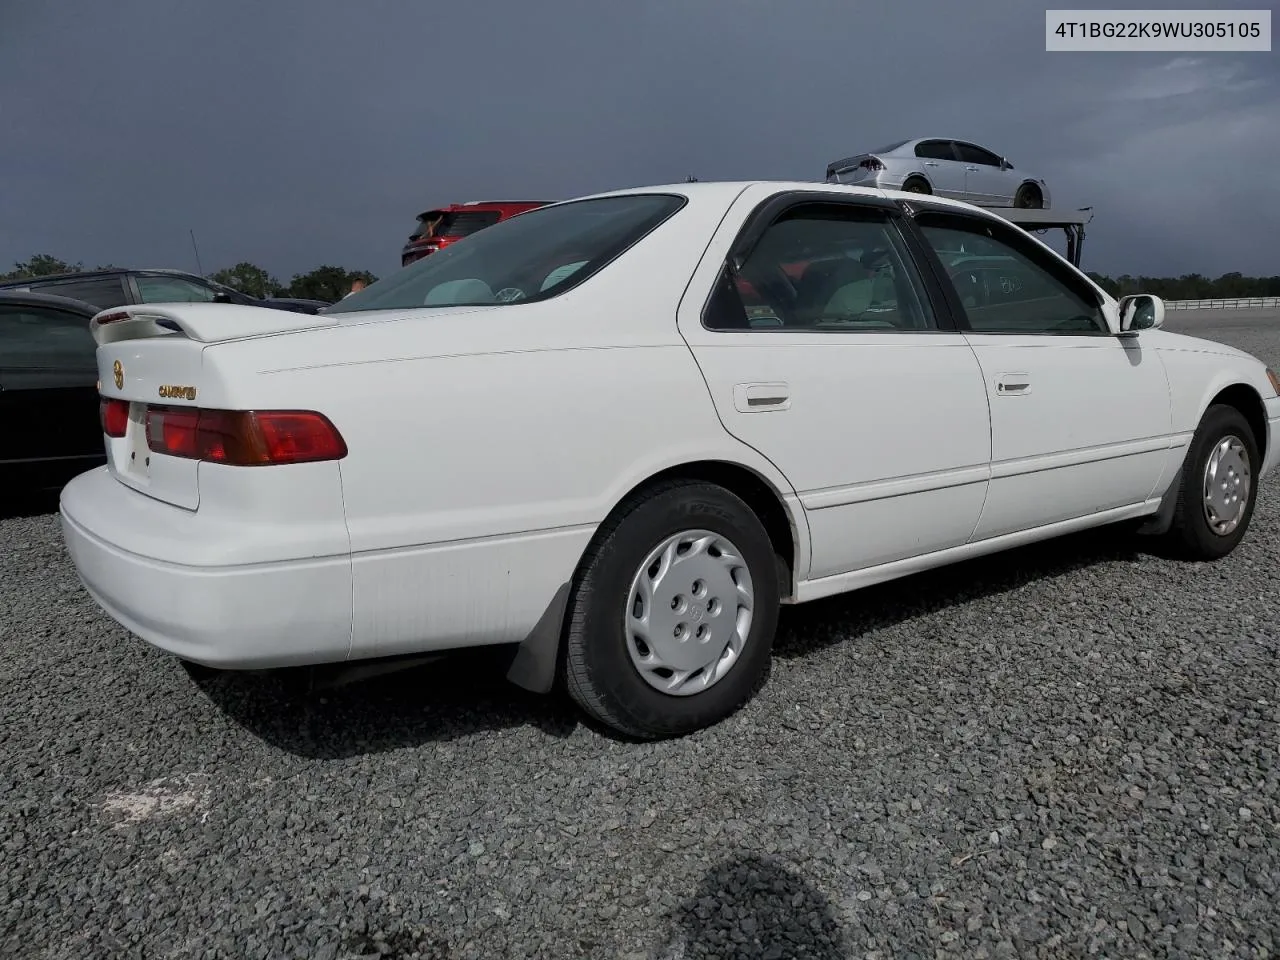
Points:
x=617 y=432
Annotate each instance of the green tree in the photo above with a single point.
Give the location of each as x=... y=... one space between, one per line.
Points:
x=249 y=278
x=327 y=283
x=40 y=265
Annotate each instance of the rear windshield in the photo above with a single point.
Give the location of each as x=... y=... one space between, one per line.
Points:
x=890 y=148
x=534 y=256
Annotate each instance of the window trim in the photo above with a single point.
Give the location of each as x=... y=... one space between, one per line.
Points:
x=1021 y=243
x=770 y=210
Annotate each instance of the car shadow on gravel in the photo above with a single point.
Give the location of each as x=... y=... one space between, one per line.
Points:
x=29 y=504
x=457 y=696
x=822 y=623
x=755 y=907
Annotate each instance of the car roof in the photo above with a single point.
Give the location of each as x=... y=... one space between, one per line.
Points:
x=727 y=191
x=29 y=298
x=92 y=274
x=485 y=206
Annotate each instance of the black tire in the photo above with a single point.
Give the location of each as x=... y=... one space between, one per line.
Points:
x=917 y=185
x=1191 y=536
x=1028 y=197
x=598 y=672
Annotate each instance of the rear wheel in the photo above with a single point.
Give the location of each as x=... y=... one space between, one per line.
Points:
x=1218 y=490
x=1028 y=197
x=917 y=185
x=673 y=614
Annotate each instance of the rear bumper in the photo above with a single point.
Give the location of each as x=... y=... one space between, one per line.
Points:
x=232 y=616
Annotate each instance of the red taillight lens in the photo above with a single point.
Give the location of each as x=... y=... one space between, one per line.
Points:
x=872 y=164
x=114 y=414
x=244 y=438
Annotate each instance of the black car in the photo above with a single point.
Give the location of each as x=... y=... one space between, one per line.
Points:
x=116 y=288
x=48 y=391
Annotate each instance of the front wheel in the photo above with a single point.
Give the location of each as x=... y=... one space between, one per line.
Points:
x=673 y=614
x=1218 y=489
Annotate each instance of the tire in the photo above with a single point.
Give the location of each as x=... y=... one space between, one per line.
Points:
x=1028 y=198
x=916 y=185
x=602 y=665
x=1222 y=430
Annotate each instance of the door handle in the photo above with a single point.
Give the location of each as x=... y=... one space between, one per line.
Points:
x=931 y=163
x=1013 y=385
x=972 y=169
x=761 y=397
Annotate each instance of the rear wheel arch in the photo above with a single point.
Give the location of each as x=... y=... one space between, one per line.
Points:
x=539 y=658
x=755 y=491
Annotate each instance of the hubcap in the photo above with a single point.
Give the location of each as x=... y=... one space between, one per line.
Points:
x=1226 y=485
x=689 y=612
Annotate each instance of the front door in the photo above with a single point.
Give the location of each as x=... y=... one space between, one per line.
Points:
x=1080 y=419
x=823 y=350
x=985 y=181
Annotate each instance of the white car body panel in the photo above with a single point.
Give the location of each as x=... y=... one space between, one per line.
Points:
x=487 y=444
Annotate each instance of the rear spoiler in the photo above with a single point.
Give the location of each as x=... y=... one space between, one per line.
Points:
x=202 y=322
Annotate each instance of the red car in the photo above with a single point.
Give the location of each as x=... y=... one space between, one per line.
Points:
x=439 y=228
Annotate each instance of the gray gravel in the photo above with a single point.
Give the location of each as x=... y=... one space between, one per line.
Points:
x=1070 y=750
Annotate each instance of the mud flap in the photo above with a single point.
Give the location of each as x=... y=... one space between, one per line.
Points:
x=536 y=659
x=1162 y=520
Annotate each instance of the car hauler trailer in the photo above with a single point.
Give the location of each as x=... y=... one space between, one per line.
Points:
x=1071 y=222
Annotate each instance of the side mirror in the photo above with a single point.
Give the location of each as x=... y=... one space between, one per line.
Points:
x=222 y=298
x=1005 y=164
x=1140 y=311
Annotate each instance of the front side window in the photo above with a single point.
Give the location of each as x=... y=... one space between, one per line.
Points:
x=160 y=289
x=535 y=256
x=971 y=154
x=826 y=267
x=1005 y=284
x=38 y=338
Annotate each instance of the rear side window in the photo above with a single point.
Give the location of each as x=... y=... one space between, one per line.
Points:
x=38 y=338
x=103 y=292
x=535 y=256
x=465 y=223
x=824 y=267
x=935 y=150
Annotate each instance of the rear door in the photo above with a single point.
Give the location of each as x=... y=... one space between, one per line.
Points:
x=48 y=395
x=943 y=168
x=846 y=374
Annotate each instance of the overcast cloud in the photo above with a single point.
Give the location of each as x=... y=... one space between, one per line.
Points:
x=294 y=134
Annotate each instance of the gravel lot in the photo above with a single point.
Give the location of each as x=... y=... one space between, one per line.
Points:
x=1066 y=751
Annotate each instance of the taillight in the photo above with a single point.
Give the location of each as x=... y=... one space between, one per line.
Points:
x=871 y=163
x=244 y=438
x=114 y=414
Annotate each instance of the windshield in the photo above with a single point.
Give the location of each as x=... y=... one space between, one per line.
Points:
x=534 y=256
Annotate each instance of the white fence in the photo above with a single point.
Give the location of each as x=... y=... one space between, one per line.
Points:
x=1238 y=303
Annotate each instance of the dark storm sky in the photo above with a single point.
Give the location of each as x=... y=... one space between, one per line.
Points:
x=292 y=134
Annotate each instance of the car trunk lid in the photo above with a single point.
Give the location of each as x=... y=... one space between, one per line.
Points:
x=151 y=358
